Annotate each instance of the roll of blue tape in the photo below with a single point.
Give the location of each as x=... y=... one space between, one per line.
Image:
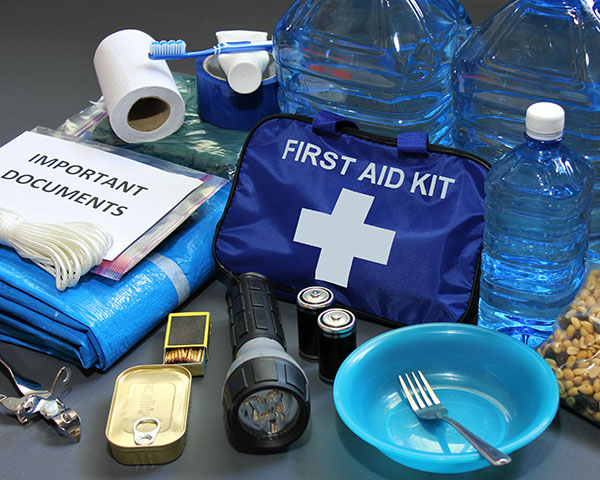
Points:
x=220 y=105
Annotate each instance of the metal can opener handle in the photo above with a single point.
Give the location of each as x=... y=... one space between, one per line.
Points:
x=36 y=400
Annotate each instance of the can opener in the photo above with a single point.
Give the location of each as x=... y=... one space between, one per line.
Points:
x=36 y=400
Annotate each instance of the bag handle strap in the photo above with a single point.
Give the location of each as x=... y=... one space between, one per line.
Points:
x=413 y=143
x=330 y=123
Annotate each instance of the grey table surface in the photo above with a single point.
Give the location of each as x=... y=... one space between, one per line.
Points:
x=47 y=75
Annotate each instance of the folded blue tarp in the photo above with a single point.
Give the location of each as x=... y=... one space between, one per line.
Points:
x=99 y=320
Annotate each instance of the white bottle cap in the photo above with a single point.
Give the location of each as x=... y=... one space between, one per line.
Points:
x=244 y=71
x=545 y=121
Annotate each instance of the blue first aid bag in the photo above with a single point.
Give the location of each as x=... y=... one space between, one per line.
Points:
x=393 y=226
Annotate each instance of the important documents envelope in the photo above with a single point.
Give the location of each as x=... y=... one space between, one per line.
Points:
x=53 y=180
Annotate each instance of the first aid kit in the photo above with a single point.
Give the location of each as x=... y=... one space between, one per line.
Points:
x=392 y=226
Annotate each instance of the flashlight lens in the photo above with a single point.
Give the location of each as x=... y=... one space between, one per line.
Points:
x=268 y=413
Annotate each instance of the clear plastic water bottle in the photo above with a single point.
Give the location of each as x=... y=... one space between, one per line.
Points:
x=386 y=65
x=537 y=215
x=531 y=51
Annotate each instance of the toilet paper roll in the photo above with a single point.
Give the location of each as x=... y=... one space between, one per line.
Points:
x=142 y=100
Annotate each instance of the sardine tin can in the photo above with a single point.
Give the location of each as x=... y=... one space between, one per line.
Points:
x=148 y=414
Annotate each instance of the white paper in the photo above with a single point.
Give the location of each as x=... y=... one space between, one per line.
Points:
x=128 y=79
x=50 y=180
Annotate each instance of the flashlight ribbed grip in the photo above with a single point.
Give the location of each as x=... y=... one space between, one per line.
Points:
x=253 y=310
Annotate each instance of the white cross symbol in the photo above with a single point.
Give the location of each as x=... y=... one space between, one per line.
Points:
x=343 y=236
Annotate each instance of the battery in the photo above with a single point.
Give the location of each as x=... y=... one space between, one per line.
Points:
x=310 y=303
x=337 y=339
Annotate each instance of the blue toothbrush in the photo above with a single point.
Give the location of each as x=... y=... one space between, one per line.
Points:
x=175 y=49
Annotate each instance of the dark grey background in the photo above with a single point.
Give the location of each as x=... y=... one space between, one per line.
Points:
x=46 y=76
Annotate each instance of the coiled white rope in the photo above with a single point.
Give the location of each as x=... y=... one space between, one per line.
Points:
x=66 y=251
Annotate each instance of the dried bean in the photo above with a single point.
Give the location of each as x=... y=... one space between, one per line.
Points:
x=582 y=355
x=590 y=302
x=584 y=363
x=589 y=340
x=573 y=350
x=588 y=327
x=571 y=392
x=568 y=384
x=586 y=389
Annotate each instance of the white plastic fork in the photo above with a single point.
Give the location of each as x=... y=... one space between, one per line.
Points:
x=427 y=406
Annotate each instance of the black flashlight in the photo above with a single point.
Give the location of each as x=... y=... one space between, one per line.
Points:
x=265 y=396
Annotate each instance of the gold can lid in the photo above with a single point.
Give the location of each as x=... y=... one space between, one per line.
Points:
x=148 y=414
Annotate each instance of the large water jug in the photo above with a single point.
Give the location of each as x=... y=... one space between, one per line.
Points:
x=531 y=51
x=385 y=65
x=537 y=213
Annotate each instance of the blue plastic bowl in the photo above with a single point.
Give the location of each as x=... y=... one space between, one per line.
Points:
x=497 y=387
